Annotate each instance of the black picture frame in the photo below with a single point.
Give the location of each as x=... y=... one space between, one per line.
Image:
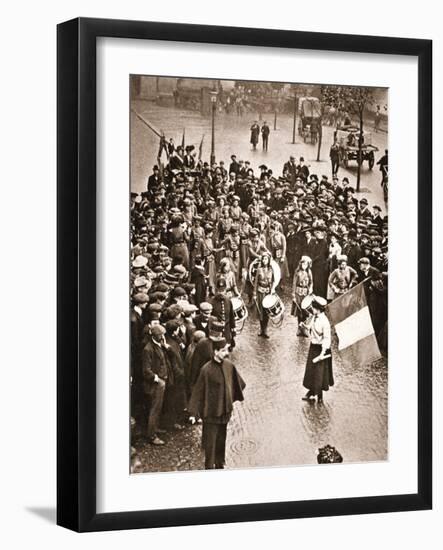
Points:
x=77 y=250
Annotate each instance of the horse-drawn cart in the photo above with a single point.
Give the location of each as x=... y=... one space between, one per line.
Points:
x=348 y=141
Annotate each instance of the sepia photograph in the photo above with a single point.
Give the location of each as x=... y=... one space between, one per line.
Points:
x=258 y=274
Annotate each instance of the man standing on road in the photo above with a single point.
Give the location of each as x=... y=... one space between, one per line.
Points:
x=383 y=164
x=255 y=132
x=218 y=386
x=334 y=155
x=265 y=131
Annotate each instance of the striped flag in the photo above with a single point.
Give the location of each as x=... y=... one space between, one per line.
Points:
x=353 y=324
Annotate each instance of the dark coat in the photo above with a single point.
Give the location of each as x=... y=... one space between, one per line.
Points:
x=198 y=278
x=137 y=335
x=156 y=361
x=290 y=169
x=234 y=167
x=303 y=172
x=307 y=248
x=176 y=163
x=190 y=329
x=353 y=252
x=223 y=310
x=203 y=353
x=255 y=132
x=198 y=323
x=320 y=267
x=293 y=250
x=153 y=182
x=176 y=355
x=265 y=130
x=218 y=386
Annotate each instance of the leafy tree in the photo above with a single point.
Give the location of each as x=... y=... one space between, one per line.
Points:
x=354 y=100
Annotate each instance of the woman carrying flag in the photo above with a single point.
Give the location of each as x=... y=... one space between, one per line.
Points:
x=318 y=371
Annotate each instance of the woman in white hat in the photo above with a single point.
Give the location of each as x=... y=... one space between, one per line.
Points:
x=318 y=375
x=302 y=286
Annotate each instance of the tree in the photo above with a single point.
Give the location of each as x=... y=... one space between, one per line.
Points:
x=354 y=100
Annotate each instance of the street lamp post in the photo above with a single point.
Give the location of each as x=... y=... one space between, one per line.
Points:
x=213 y=95
x=295 y=118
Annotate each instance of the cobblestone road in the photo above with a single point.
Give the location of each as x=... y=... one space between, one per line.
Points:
x=273 y=426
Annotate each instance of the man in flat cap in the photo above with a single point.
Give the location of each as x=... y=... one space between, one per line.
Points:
x=204 y=319
x=157 y=372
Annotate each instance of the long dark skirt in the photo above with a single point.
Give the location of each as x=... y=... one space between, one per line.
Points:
x=318 y=376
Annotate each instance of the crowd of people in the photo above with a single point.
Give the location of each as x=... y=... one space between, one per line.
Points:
x=195 y=231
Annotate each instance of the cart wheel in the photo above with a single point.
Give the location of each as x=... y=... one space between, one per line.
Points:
x=371 y=161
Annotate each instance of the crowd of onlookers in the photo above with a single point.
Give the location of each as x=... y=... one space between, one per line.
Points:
x=194 y=232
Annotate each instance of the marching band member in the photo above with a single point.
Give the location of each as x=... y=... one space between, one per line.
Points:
x=264 y=284
x=343 y=278
x=302 y=286
x=229 y=276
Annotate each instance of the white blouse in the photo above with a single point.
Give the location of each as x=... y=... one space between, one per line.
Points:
x=320 y=331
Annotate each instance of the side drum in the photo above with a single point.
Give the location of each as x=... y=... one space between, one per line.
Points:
x=274 y=307
x=240 y=312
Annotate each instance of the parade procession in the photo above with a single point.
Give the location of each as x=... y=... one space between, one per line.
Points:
x=258 y=283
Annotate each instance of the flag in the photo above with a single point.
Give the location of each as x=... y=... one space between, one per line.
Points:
x=353 y=324
x=200 y=148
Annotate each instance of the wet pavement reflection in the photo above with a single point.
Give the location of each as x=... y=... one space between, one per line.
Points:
x=273 y=426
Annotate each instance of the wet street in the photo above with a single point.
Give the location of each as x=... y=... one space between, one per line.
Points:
x=232 y=137
x=273 y=426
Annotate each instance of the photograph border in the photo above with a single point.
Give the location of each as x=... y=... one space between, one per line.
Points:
x=77 y=271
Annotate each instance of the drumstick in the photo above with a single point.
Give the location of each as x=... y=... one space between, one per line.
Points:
x=320 y=358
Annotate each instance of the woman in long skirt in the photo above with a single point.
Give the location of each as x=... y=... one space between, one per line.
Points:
x=318 y=371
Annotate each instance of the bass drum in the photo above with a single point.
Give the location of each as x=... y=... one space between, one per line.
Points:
x=253 y=270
